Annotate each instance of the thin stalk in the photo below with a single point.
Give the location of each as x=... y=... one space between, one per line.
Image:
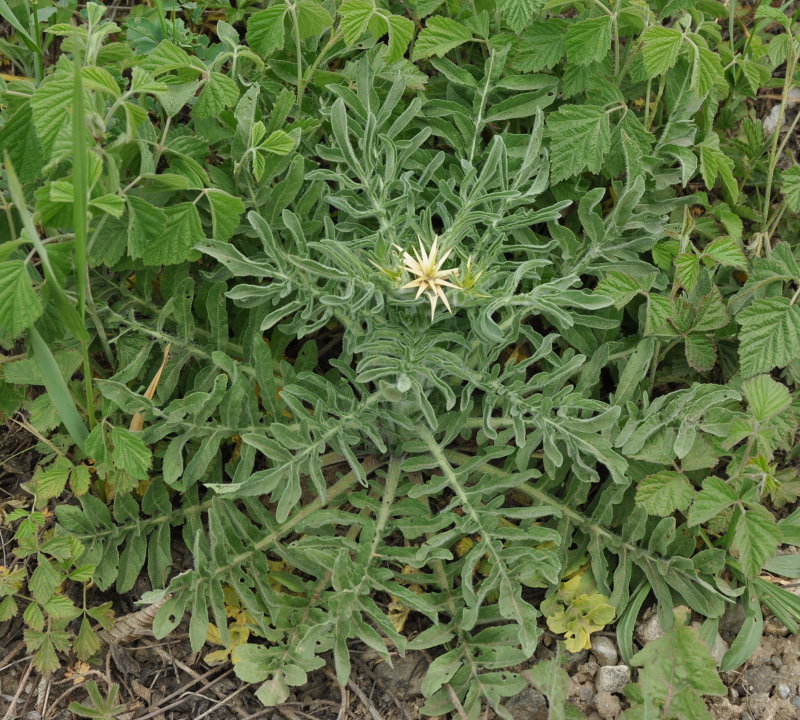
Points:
x=298 y=52
x=647 y=103
x=309 y=73
x=80 y=205
x=615 y=26
x=38 y=60
x=791 y=63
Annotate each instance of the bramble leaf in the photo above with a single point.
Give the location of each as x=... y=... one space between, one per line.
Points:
x=664 y=492
x=660 y=49
x=769 y=335
x=439 y=36
x=580 y=135
x=20 y=306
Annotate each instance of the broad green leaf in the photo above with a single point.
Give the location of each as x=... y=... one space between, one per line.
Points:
x=50 y=104
x=540 y=46
x=226 y=210
x=518 y=13
x=400 y=30
x=769 y=335
x=756 y=538
x=623 y=288
x=701 y=352
x=97 y=78
x=355 y=19
x=790 y=187
x=440 y=35
x=715 y=497
x=664 y=492
x=20 y=306
x=44 y=580
x=265 y=29
x=588 y=41
x=278 y=143
x=660 y=49
x=713 y=163
x=51 y=481
x=580 y=136
x=726 y=251
x=219 y=93
x=766 y=397
x=677 y=662
x=114 y=205
x=146 y=224
x=19 y=139
x=130 y=453
x=312 y=18
x=687 y=265
x=706 y=70
x=165 y=58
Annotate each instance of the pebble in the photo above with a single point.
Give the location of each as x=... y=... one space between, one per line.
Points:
x=746 y=716
x=530 y=704
x=650 y=630
x=612 y=678
x=719 y=649
x=796 y=701
x=604 y=650
x=758 y=679
x=607 y=705
x=784 y=691
x=776 y=661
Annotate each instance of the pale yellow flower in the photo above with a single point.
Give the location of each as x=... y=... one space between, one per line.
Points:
x=429 y=276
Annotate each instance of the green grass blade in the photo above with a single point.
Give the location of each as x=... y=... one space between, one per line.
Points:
x=68 y=313
x=7 y=14
x=80 y=213
x=57 y=389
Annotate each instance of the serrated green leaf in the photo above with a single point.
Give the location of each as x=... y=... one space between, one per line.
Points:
x=687 y=265
x=312 y=18
x=540 y=46
x=518 y=13
x=278 y=143
x=400 y=30
x=50 y=482
x=701 y=352
x=589 y=40
x=130 y=453
x=663 y=493
x=580 y=135
x=706 y=70
x=20 y=306
x=439 y=36
x=660 y=49
x=766 y=397
x=715 y=497
x=226 y=211
x=769 y=335
x=790 y=187
x=756 y=538
x=355 y=17
x=113 y=205
x=219 y=93
x=265 y=29
x=44 y=580
x=713 y=163
x=726 y=251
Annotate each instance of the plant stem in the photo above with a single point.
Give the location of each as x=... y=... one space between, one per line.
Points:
x=791 y=63
x=298 y=52
x=38 y=60
x=80 y=183
x=309 y=73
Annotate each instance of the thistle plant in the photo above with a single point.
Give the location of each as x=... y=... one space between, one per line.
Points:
x=605 y=423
